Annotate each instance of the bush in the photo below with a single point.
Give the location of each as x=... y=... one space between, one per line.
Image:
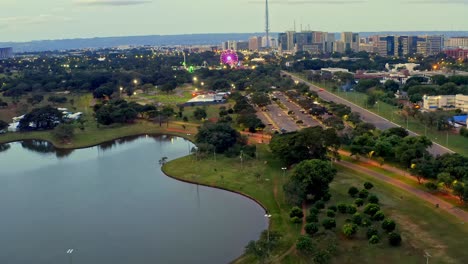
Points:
x=431 y=186
x=379 y=216
x=388 y=225
x=296 y=212
x=366 y=221
x=329 y=223
x=332 y=207
x=464 y=132
x=349 y=230
x=330 y=213
x=363 y=193
x=319 y=204
x=357 y=218
x=371 y=231
x=351 y=209
x=352 y=191
x=359 y=202
x=314 y=211
x=312 y=218
x=374 y=239
x=326 y=197
x=296 y=220
x=394 y=239
x=342 y=208
x=305 y=245
x=373 y=199
x=311 y=228
x=371 y=209
x=368 y=185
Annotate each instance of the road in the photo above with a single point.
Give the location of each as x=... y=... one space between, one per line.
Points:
x=367 y=116
x=307 y=119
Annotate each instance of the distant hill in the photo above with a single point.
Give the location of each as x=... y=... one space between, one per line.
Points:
x=160 y=40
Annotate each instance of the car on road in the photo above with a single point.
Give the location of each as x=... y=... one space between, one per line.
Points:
x=321 y=90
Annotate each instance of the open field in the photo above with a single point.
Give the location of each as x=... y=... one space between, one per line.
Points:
x=451 y=140
x=423 y=227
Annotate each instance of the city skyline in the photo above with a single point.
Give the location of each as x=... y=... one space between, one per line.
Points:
x=62 y=19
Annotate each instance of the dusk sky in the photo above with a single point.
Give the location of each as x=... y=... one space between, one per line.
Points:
x=23 y=20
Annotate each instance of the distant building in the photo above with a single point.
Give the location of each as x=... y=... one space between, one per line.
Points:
x=430 y=45
x=242 y=45
x=351 y=41
x=461 y=102
x=457 y=42
x=339 y=46
x=6 y=53
x=457 y=53
x=446 y=102
x=255 y=43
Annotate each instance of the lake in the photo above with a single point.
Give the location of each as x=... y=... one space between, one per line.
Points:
x=112 y=204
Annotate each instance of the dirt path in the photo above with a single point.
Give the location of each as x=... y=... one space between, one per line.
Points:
x=462 y=215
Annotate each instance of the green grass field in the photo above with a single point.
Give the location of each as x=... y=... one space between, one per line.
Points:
x=451 y=140
x=422 y=226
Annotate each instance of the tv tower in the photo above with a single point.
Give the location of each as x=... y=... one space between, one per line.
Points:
x=267 y=25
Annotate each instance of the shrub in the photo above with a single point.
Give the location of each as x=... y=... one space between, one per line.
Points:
x=374 y=239
x=388 y=225
x=359 y=202
x=371 y=209
x=379 y=216
x=311 y=228
x=368 y=185
x=314 y=211
x=351 y=209
x=326 y=197
x=363 y=193
x=342 y=208
x=319 y=204
x=296 y=212
x=329 y=223
x=366 y=222
x=305 y=245
x=296 y=220
x=357 y=218
x=349 y=230
x=352 y=191
x=394 y=239
x=431 y=186
x=330 y=213
x=373 y=199
x=332 y=207
x=371 y=231
x=312 y=218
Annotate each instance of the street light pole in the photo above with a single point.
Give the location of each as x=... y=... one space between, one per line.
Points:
x=284 y=171
x=69 y=252
x=268 y=216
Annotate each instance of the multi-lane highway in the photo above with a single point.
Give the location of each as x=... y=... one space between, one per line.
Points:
x=367 y=116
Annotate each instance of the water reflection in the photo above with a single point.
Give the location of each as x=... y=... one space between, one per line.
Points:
x=45 y=147
x=111 y=144
x=4 y=147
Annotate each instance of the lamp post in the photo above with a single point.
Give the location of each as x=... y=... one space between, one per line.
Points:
x=69 y=252
x=268 y=216
x=284 y=171
x=120 y=91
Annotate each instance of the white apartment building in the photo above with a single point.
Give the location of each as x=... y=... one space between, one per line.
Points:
x=446 y=102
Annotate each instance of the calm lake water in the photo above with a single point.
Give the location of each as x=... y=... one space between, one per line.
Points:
x=113 y=205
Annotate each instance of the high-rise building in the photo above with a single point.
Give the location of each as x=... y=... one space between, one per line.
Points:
x=339 y=46
x=283 y=41
x=429 y=45
x=457 y=42
x=6 y=53
x=242 y=45
x=457 y=53
x=255 y=43
x=291 y=40
x=350 y=40
x=329 y=42
x=387 y=46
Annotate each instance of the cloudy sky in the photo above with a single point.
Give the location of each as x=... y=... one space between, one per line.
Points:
x=23 y=20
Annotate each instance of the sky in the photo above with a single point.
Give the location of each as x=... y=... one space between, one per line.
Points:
x=24 y=20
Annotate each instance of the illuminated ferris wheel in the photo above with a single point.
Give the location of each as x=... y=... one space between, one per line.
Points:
x=229 y=57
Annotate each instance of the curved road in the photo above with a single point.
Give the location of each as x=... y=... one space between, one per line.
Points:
x=369 y=117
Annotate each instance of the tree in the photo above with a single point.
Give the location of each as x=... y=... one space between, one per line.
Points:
x=371 y=100
x=374 y=239
x=305 y=245
x=199 y=113
x=368 y=185
x=378 y=216
x=3 y=125
x=330 y=213
x=388 y=225
x=296 y=212
x=260 y=99
x=64 y=132
x=371 y=209
x=359 y=202
x=168 y=87
x=460 y=190
x=352 y=191
x=391 y=85
x=41 y=118
x=351 y=209
x=222 y=136
x=311 y=228
x=363 y=193
x=329 y=223
x=349 y=230
x=312 y=178
x=373 y=199
x=357 y=218
x=371 y=231
x=394 y=239
x=342 y=208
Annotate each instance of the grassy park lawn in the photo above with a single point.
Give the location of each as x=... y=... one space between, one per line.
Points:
x=423 y=228
x=455 y=142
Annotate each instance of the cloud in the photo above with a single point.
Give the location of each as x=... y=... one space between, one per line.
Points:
x=111 y=2
x=312 y=2
x=439 y=2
